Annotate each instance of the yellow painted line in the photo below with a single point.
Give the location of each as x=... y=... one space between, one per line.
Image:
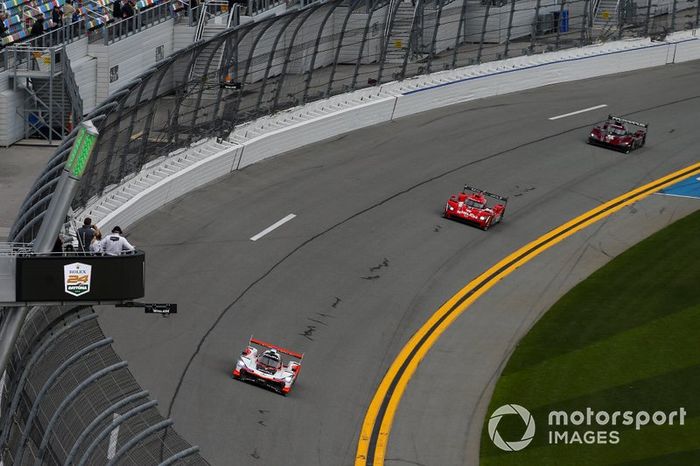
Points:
x=376 y=427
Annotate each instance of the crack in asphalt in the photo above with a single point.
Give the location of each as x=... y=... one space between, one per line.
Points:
x=361 y=212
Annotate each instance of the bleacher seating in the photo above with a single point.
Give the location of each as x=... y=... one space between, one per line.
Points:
x=20 y=14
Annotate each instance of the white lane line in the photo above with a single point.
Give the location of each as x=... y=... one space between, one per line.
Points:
x=578 y=111
x=113 y=437
x=272 y=227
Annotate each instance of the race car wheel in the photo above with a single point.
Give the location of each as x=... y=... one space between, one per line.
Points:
x=644 y=141
x=487 y=224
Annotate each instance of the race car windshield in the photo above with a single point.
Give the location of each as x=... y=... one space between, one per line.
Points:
x=268 y=361
x=473 y=203
x=617 y=131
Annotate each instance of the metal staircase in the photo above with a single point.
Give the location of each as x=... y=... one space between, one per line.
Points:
x=51 y=104
x=214 y=19
x=203 y=90
x=606 y=14
x=401 y=26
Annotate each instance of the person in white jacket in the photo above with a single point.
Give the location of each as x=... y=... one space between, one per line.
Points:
x=115 y=244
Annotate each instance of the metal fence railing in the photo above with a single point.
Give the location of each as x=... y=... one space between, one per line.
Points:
x=98 y=27
x=111 y=32
x=70 y=391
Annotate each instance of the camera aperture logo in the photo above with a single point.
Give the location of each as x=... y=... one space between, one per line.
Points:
x=527 y=418
x=76 y=278
x=586 y=426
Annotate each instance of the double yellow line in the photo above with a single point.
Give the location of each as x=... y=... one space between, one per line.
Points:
x=372 y=445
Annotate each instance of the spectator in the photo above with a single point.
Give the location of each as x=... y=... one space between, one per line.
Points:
x=127 y=10
x=3 y=29
x=38 y=26
x=86 y=234
x=115 y=244
x=68 y=12
x=58 y=245
x=56 y=17
x=117 y=10
x=96 y=245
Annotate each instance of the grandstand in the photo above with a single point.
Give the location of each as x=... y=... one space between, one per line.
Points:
x=48 y=83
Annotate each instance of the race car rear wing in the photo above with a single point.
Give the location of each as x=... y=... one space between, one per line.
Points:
x=293 y=354
x=624 y=120
x=486 y=193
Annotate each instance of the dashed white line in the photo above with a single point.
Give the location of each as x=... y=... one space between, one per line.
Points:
x=113 y=437
x=578 y=111
x=272 y=227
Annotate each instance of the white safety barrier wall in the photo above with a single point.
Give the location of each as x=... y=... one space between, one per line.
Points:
x=168 y=178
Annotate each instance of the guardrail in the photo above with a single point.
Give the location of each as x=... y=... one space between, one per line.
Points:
x=110 y=33
x=256 y=7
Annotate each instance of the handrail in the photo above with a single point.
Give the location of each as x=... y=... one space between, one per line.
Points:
x=199 y=31
x=142 y=19
x=97 y=11
x=65 y=34
x=234 y=16
x=76 y=101
x=15 y=249
x=390 y=12
x=594 y=10
x=256 y=7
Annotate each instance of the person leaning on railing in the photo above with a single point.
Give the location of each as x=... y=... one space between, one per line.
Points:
x=56 y=17
x=68 y=12
x=3 y=29
x=38 y=26
x=115 y=244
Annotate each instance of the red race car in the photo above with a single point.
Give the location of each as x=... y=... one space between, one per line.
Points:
x=620 y=134
x=470 y=206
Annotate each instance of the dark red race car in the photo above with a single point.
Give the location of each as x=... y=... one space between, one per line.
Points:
x=620 y=134
x=470 y=206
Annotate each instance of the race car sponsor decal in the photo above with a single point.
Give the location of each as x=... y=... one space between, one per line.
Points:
x=76 y=278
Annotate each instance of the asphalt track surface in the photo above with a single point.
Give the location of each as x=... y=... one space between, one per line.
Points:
x=368 y=258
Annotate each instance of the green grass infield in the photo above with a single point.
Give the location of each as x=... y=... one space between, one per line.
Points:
x=614 y=358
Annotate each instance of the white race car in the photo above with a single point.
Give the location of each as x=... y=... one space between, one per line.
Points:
x=267 y=368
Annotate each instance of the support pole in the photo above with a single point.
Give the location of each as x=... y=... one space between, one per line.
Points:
x=51 y=225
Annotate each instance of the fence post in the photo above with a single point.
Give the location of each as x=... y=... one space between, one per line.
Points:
x=105 y=33
x=510 y=27
x=561 y=12
x=584 y=23
x=620 y=19
x=646 y=23
x=673 y=16
x=462 y=15
x=483 y=31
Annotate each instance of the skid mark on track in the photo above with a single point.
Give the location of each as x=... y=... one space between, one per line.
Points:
x=384 y=263
x=310 y=329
